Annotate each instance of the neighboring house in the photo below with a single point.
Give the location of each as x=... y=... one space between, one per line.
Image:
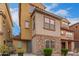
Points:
x=45 y=31
x=25 y=22
x=41 y=29
x=75 y=28
x=67 y=35
x=5 y=25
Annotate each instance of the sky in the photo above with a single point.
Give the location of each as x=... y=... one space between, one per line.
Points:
x=66 y=10
x=15 y=18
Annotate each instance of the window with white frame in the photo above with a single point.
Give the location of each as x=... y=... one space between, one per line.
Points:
x=50 y=44
x=69 y=34
x=52 y=24
x=49 y=23
x=26 y=24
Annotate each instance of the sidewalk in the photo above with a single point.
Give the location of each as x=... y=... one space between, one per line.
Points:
x=23 y=55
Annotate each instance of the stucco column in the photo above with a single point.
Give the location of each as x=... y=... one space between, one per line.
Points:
x=72 y=46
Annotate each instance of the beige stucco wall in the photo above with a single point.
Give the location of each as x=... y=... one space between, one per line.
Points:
x=0 y=23
x=4 y=28
x=15 y=44
x=25 y=16
x=39 y=26
x=1 y=30
x=5 y=11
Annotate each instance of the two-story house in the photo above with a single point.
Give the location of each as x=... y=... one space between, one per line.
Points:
x=75 y=28
x=41 y=29
x=67 y=35
x=5 y=25
x=45 y=31
x=25 y=22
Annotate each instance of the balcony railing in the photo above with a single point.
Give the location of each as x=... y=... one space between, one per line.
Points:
x=64 y=26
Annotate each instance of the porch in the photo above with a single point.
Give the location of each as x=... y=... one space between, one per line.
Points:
x=69 y=44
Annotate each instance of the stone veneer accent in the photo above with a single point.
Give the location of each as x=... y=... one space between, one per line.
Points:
x=38 y=44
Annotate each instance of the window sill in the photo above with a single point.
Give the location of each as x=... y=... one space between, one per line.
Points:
x=27 y=28
x=49 y=29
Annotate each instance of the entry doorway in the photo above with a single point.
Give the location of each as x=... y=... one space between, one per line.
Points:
x=29 y=46
x=63 y=45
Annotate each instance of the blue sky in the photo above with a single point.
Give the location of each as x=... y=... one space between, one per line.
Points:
x=14 y=13
x=66 y=10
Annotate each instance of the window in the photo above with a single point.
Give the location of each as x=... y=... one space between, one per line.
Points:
x=49 y=23
x=52 y=25
x=46 y=23
x=49 y=44
x=19 y=44
x=31 y=9
x=46 y=20
x=69 y=34
x=52 y=44
x=34 y=23
x=26 y=24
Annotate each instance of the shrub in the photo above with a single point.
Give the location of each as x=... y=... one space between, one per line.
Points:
x=4 y=49
x=47 y=51
x=20 y=50
x=64 y=51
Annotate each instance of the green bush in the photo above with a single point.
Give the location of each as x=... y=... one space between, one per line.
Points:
x=64 y=51
x=20 y=50
x=4 y=50
x=47 y=51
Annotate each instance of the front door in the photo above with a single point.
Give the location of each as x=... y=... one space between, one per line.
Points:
x=63 y=45
x=29 y=46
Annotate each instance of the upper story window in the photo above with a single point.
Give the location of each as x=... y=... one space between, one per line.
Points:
x=49 y=23
x=52 y=24
x=31 y=9
x=69 y=34
x=46 y=23
x=27 y=24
